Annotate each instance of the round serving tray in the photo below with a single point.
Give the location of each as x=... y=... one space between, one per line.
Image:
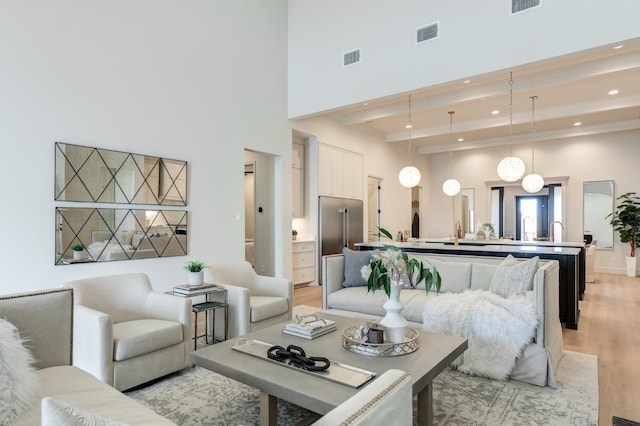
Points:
x=351 y=342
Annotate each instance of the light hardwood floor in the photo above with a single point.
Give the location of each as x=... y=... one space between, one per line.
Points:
x=608 y=327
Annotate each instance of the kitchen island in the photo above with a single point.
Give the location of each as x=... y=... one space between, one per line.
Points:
x=569 y=256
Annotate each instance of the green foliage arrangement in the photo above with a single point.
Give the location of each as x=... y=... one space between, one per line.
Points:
x=77 y=247
x=394 y=263
x=195 y=266
x=626 y=220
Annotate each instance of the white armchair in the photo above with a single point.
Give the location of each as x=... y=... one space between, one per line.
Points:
x=125 y=333
x=385 y=401
x=255 y=301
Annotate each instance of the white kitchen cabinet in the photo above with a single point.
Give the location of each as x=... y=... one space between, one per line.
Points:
x=297 y=181
x=303 y=259
x=340 y=172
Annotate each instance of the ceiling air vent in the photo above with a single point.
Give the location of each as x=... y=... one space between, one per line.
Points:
x=427 y=33
x=352 y=57
x=520 y=5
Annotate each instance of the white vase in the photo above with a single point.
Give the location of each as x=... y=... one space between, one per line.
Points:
x=196 y=278
x=395 y=325
x=631 y=266
x=78 y=254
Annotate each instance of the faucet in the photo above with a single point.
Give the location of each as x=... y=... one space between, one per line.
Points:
x=551 y=229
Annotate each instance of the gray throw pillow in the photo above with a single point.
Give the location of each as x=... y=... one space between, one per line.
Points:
x=513 y=277
x=353 y=263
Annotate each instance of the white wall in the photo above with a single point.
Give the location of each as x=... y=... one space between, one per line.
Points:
x=196 y=81
x=474 y=38
x=602 y=157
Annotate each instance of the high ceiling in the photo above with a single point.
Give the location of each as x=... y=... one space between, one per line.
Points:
x=569 y=90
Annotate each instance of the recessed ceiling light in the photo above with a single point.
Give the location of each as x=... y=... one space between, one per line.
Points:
x=408 y=126
x=495 y=112
x=460 y=139
x=577 y=123
x=613 y=92
x=365 y=104
x=467 y=81
x=620 y=46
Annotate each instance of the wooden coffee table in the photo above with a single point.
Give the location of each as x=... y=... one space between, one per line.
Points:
x=316 y=394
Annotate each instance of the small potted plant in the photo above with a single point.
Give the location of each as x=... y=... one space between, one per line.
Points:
x=626 y=220
x=294 y=234
x=78 y=251
x=196 y=272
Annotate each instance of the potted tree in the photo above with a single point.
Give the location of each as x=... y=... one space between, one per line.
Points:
x=78 y=251
x=626 y=220
x=196 y=272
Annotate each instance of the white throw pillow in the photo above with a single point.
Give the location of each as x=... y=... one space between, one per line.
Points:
x=513 y=277
x=456 y=276
x=56 y=412
x=18 y=380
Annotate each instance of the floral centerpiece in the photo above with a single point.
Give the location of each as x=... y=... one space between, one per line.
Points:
x=394 y=264
x=386 y=271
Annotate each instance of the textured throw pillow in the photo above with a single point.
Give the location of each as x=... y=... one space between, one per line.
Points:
x=353 y=263
x=513 y=277
x=56 y=412
x=18 y=380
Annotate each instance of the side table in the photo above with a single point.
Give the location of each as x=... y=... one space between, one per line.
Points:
x=209 y=306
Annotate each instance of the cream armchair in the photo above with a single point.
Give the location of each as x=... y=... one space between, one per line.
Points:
x=126 y=334
x=255 y=301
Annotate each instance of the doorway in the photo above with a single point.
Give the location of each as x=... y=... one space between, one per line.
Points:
x=532 y=217
x=260 y=215
x=249 y=215
x=374 y=198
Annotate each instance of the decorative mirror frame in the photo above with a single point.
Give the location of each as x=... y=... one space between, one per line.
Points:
x=107 y=234
x=98 y=175
x=598 y=200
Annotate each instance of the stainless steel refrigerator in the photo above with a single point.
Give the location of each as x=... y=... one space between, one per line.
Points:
x=341 y=225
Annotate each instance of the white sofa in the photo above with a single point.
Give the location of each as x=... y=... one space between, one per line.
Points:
x=539 y=360
x=45 y=320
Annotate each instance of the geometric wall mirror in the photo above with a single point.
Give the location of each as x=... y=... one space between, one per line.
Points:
x=98 y=175
x=101 y=235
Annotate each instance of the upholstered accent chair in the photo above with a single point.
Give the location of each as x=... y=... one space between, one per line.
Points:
x=255 y=301
x=125 y=333
x=385 y=401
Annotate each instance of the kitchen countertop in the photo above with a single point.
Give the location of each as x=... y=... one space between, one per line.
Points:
x=483 y=246
x=447 y=240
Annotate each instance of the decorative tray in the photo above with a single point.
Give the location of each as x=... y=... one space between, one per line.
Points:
x=352 y=341
x=337 y=372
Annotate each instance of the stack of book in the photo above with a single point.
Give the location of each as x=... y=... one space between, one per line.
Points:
x=191 y=290
x=309 y=327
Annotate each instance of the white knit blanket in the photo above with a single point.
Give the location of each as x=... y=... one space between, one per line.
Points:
x=497 y=329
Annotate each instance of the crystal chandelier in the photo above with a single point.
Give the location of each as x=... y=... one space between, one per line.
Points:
x=409 y=176
x=533 y=182
x=451 y=186
x=511 y=168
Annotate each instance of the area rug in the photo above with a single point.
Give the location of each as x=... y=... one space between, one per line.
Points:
x=197 y=396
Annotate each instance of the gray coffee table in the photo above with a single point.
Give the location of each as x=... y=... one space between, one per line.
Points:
x=274 y=381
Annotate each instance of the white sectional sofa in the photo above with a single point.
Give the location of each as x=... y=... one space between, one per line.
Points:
x=44 y=320
x=539 y=360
